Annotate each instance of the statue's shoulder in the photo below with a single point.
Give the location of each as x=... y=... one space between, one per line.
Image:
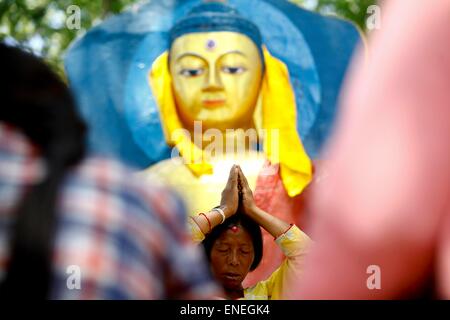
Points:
x=167 y=170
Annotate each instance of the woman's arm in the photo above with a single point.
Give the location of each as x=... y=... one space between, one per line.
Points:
x=275 y=226
x=270 y=223
x=292 y=241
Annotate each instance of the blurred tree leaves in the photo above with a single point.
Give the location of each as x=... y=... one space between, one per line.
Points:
x=353 y=10
x=40 y=25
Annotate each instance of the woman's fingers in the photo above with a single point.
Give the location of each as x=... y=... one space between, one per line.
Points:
x=243 y=179
x=230 y=197
x=233 y=178
x=247 y=194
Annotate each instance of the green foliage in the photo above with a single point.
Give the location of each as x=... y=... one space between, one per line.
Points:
x=40 y=25
x=353 y=10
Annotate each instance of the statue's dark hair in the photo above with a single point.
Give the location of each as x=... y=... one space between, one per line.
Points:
x=38 y=103
x=245 y=222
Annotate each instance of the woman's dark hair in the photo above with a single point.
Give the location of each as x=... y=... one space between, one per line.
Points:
x=238 y=219
x=37 y=102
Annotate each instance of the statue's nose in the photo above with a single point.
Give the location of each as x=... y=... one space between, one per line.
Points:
x=213 y=81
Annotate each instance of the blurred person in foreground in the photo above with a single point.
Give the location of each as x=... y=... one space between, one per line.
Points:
x=63 y=214
x=383 y=210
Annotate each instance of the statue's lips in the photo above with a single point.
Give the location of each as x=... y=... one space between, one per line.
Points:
x=213 y=103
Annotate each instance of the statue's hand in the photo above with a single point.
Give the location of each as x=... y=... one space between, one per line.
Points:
x=230 y=195
x=248 y=202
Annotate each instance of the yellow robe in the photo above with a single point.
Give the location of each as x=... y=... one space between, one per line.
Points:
x=202 y=193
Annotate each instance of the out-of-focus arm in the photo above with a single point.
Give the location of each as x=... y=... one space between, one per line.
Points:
x=387 y=168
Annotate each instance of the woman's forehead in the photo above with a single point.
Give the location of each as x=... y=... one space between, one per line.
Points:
x=234 y=235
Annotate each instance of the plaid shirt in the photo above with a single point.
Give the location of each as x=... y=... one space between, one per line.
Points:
x=120 y=238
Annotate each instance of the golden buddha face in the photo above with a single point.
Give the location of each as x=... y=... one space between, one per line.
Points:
x=216 y=79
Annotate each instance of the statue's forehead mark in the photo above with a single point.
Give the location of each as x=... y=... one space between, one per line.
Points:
x=211 y=44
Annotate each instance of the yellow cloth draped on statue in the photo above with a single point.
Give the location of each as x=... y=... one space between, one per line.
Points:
x=206 y=176
x=200 y=175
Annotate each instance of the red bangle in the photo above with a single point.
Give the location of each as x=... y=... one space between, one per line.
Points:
x=195 y=222
x=290 y=226
x=209 y=222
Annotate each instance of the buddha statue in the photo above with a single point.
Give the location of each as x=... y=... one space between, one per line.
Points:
x=224 y=100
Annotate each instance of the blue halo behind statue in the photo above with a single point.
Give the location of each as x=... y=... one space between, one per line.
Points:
x=108 y=70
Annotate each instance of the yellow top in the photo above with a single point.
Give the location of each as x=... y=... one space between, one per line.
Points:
x=294 y=243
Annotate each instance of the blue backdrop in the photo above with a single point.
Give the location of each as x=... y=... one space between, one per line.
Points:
x=108 y=72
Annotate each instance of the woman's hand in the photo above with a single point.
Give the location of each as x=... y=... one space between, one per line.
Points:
x=230 y=195
x=248 y=203
x=272 y=224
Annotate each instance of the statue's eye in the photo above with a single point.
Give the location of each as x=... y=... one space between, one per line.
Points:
x=192 y=72
x=234 y=70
